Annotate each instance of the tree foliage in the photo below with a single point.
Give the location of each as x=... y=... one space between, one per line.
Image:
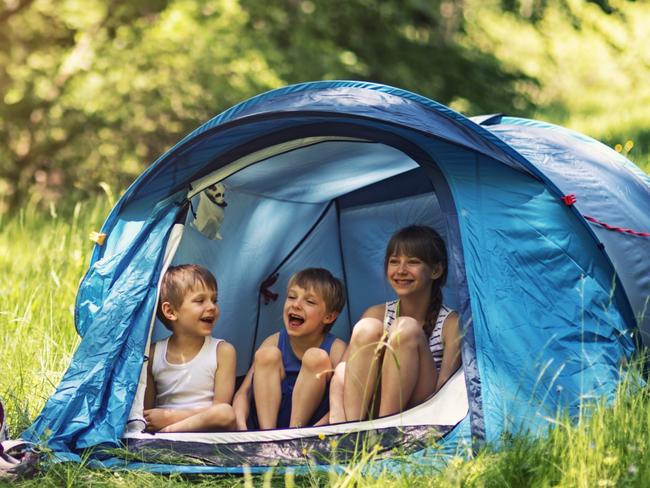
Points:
x=92 y=91
x=590 y=58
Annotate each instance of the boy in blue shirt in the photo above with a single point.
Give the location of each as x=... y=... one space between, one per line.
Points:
x=287 y=384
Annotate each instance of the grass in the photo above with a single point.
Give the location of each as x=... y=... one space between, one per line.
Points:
x=643 y=162
x=42 y=258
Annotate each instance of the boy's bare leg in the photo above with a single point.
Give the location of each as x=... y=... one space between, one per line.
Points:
x=216 y=417
x=310 y=386
x=362 y=368
x=267 y=385
x=408 y=374
x=337 y=412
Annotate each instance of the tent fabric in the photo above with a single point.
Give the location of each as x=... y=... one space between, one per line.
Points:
x=524 y=248
x=606 y=186
x=115 y=303
x=321 y=174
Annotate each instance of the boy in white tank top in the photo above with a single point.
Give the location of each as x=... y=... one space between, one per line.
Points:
x=190 y=375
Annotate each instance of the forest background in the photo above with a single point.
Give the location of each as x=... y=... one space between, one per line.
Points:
x=93 y=91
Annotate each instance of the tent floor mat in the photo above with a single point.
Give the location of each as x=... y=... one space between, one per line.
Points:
x=317 y=449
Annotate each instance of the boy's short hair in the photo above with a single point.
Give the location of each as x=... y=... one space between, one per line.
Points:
x=329 y=287
x=178 y=281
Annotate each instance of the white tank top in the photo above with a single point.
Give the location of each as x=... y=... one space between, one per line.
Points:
x=187 y=385
x=391 y=312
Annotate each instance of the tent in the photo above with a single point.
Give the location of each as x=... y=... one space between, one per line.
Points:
x=546 y=231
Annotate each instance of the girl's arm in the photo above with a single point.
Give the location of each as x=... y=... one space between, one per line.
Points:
x=375 y=312
x=451 y=349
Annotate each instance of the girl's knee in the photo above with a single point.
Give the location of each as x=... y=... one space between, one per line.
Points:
x=367 y=331
x=268 y=356
x=406 y=330
x=316 y=359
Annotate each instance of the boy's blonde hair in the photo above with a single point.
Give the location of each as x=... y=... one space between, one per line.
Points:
x=328 y=287
x=178 y=281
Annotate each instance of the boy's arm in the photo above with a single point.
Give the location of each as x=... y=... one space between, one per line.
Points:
x=224 y=378
x=241 y=402
x=337 y=351
x=159 y=418
x=156 y=418
x=150 y=391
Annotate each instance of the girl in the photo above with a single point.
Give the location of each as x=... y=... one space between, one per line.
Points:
x=414 y=341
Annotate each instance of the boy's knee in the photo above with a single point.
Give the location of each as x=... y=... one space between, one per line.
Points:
x=316 y=359
x=268 y=356
x=367 y=331
x=223 y=414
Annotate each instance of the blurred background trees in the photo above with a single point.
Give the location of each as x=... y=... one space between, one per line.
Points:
x=93 y=91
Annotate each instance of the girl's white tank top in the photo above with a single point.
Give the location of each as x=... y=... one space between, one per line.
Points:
x=187 y=385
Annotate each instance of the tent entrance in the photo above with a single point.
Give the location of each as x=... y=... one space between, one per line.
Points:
x=329 y=203
x=317 y=202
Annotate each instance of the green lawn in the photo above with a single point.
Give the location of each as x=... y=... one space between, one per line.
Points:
x=42 y=258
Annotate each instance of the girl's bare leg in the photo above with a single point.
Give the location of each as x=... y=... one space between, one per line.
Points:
x=362 y=368
x=310 y=386
x=267 y=385
x=408 y=374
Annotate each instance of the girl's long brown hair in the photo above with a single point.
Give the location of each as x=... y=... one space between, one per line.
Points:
x=424 y=243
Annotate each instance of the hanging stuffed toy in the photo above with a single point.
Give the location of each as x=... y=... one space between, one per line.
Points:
x=209 y=213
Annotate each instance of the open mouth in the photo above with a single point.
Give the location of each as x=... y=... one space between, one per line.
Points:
x=295 y=320
x=208 y=320
x=403 y=282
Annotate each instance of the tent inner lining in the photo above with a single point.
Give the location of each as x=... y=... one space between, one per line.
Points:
x=319 y=169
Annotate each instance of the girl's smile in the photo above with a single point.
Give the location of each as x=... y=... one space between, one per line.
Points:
x=409 y=274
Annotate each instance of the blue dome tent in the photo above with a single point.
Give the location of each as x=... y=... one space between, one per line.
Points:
x=549 y=267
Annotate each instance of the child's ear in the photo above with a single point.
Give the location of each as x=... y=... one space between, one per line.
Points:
x=168 y=311
x=330 y=317
x=437 y=271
